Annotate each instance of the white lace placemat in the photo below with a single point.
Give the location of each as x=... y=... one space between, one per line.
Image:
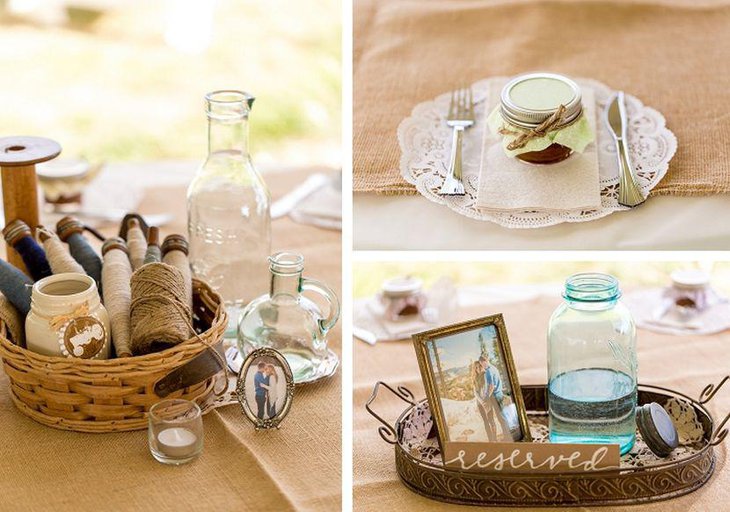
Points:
x=425 y=142
x=651 y=313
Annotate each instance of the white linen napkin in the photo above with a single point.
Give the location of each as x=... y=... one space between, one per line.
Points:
x=367 y=317
x=508 y=184
x=323 y=208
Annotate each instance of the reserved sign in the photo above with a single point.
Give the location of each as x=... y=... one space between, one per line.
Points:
x=531 y=457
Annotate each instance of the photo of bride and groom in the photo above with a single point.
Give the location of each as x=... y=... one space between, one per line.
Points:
x=268 y=387
x=491 y=401
x=474 y=387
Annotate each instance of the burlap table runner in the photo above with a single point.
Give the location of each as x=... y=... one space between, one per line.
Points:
x=682 y=363
x=295 y=468
x=672 y=54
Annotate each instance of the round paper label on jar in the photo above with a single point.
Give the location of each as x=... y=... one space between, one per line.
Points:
x=83 y=337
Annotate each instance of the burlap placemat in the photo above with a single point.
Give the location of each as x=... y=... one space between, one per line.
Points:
x=678 y=362
x=670 y=54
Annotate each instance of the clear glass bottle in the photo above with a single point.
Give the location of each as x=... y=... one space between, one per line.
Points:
x=229 y=222
x=289 y=322
x=592 y=365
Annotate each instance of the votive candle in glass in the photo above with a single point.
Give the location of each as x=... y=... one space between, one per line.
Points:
x=175 y=431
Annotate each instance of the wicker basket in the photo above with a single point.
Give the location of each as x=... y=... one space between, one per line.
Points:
x=112 y=395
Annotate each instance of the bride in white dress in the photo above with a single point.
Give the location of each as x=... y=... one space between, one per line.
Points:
x=272 y=390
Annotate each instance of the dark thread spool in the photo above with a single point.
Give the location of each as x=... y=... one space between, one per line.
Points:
x=71 y=230
x=19 y=235
x=16 y=287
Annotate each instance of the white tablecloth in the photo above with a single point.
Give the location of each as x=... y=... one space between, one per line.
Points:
x=662 y=223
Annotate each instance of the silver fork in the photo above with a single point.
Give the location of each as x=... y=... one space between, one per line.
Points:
x=461 y=117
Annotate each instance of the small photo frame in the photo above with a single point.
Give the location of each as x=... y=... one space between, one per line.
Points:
x=265 y=388
x=471 y=382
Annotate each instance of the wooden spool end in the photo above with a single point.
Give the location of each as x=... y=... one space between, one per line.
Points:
x=18 y=156
x=25 y=151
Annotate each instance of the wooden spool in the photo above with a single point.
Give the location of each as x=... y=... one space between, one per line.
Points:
x=18 y=156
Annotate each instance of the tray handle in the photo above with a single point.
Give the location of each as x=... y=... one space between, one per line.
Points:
x=386 y=430
x=720 y=432
x=711 y=390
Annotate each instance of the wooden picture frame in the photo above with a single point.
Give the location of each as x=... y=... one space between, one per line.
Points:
x=453 y=395
x=263 y=413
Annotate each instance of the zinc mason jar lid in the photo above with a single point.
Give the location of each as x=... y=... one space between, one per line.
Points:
x=530 y=99
x=657 y=429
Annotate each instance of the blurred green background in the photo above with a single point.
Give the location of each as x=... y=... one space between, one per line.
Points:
x=124 y=80
x=368 y=276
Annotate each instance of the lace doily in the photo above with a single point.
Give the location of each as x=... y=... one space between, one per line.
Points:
x=425 y=142
x=416 y=427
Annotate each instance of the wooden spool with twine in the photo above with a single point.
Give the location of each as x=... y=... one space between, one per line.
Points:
x=114 y=395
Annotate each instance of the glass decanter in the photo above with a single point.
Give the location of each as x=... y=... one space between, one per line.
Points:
x=229 y=223
x=289 y=322
x=592 y=365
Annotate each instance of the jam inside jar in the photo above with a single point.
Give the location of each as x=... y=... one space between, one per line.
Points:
x=528 y=101
x=552 y=154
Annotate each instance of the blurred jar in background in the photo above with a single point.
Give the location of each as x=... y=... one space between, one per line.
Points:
x=402 y=297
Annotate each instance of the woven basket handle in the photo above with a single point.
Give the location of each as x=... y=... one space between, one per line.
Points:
x=386 y=430
x=199 y=368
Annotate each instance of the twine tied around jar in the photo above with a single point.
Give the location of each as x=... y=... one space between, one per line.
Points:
x=539 y=131
x=59 y=321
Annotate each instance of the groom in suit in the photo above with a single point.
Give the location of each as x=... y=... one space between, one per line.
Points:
x=493 y=388
x=260 y=390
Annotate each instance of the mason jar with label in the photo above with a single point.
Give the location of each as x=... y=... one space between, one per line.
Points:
x=541 y=118
x=67 y=318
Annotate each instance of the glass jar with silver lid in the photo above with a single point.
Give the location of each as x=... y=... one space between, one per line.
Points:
x=541 y=102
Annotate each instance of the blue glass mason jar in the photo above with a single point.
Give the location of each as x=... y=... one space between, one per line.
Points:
x=592 y=365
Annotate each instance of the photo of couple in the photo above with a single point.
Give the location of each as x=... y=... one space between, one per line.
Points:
x=490 y=398
x=474 y=387
x=269 y=387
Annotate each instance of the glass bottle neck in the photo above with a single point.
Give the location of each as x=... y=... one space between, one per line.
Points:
x=591 y=291
x=591 y=306
x=285 y=284
x=228 y=136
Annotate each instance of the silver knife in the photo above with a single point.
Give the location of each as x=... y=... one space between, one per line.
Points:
x=628 y=192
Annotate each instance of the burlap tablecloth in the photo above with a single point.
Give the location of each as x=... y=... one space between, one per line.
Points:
x=295 y=468
x=685 y=364
x=672 y=54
